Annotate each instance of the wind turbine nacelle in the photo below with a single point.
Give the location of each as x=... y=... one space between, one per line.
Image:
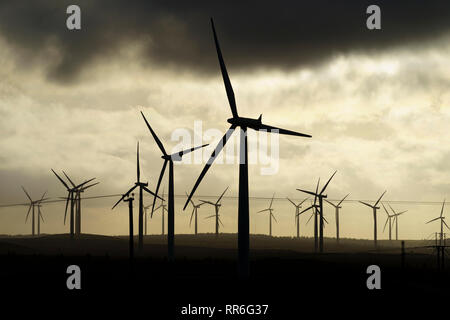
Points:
x=246 y=122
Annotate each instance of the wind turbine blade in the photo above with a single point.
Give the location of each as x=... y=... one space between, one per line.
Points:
x=308 y=192
x=159 y=183
x=71 y=182
x=226 y=78
x=82 y=184
x=392 y=209
x=91 y=185
x=208 y=202
x=310 y=218
x=42 y=198
x=124 y=195
x=325 y=220
x=29 y=208
x=192 y=215
x=27 y=194
x=192 y=202
x=217 y=202
x=59 y=178
x=291 y=202
x=317 y=190
x=379 y=198
x=158 y=142
x=369 y=205
x=214 y=154
x=263 y=210
x=302 y=202
x=151 y=192
x=385 y=209
x=138 y=167
x=220 y=221
x=40 y=214
x=67 y=205
x=387 y=219
x=445 y=224
x=210 y=216
x=271 y=201
x=326 y=184
x=433 y=220
x=309 y=208
x=182 y=153
x=282 y=131
x=401 y=212
x=273 y=217
x=331 y=203
x=442 y=210
x=343 y=200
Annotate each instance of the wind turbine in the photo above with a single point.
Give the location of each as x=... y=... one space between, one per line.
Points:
x=337 y=207
x=77 y=199
x=142 y=187
x=171 y=212
x=297 y=214
x=320 y=196
x=217 y=206
x=70 y=198
x=315 y=213
x=441 y=217
x=33 y=204
x=374 y=208
x=194 y=213
x=163 y=207
x=388 y=219
x=270 y=210
x=244 y=124
x=395 y=216
x=127 y=198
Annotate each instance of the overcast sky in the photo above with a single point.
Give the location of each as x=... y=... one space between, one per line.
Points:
x=375 y=102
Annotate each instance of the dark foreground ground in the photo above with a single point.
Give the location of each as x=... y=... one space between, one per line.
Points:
x=285 y=274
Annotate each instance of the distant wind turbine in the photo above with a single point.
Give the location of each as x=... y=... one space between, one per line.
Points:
x=388 y=220
x=71 y=197
x=217 y=206
x=320 y=196
x=194 y=213
x=244 y=124
x=374 y=208
x=337 y=207
x=395 y=217
x=33 y=204
x=297 y=214
x=441 y=218
x=126 y=198
x=142 y=187
x=270 y=210
x=163 y=207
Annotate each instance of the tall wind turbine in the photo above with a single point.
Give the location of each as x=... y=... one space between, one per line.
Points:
x=297 y=214
x=33 y=204
x=374 y=208
x=142 y=187
x=337 y=207
x=72 y=199
x=270 y=210
x=320 y=196
x=244 y=124
x=77 y=199
x=217 y=206
x=388 y=220
x=163 y=208
x=395 y=216
x=194 y=213
x=169 y=159
x=441 y=218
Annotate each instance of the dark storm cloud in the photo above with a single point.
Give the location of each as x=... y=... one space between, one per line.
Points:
x=281 y=34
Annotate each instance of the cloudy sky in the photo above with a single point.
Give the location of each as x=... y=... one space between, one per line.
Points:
x=375 y=103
